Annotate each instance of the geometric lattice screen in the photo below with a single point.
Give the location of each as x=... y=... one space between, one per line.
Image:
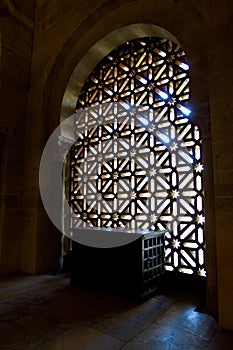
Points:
x=147 y=73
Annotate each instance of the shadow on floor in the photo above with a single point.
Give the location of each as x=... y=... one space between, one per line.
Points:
x=45 y=312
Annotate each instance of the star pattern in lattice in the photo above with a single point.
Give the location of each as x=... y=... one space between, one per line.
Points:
x=152 y=73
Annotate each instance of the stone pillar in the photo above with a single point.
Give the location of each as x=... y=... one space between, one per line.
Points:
x=220 y=56
x=15 y=65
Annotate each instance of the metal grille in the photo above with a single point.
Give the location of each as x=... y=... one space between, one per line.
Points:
x=154 y=73
x=153 y=261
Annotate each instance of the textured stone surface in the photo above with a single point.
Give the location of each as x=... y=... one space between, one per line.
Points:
x=44 y=312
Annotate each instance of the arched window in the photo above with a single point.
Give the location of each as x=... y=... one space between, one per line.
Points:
x=154 y=73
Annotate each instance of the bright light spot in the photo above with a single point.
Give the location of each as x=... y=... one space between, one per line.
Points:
x=133 y=152
x=184 y=66
x=198 y=167
x=184 y=110
x=169 y=268
x=127 y=106
x=153 y=218
x=162 y=94
x=201 y=256
x=152 y=128
x=161 y=53
x=201 y=272
x=133 y=195
x=176 y=261
x=175 y=243
x=174 y=194
x=153 y=172
x=144 y=121
x=115 y=217
x=174 y=146
x=172 y=101
x=163 y=137
x=186 y=270
x=143 y=81
x=200 y=219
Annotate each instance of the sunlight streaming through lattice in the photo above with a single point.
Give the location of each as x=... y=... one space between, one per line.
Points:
x=152 y=73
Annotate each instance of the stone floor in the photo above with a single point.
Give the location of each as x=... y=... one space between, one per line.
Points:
x=45 y=312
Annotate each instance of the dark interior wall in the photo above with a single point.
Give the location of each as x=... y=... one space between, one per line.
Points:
x=16 y=30
x=220 y=71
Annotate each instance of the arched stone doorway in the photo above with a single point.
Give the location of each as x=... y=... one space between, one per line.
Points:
x=118 y=18
x=73 y=88
x=151 y=73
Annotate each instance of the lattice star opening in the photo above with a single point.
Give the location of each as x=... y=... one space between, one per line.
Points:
x=152 y=73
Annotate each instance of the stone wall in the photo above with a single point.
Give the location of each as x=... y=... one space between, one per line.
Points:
x=220 y=56
x=16 y=30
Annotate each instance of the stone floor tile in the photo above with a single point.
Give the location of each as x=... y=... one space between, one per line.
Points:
x=165 y=337
x=47 y=313
x=40 y=285
x=222 y=340
x=126 y=322
x=84 y=338
x=183 y=314
x=14 y=336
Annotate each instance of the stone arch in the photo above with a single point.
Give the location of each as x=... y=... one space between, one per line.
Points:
x=98 y=51
x=119 y=16
x=192 y=42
